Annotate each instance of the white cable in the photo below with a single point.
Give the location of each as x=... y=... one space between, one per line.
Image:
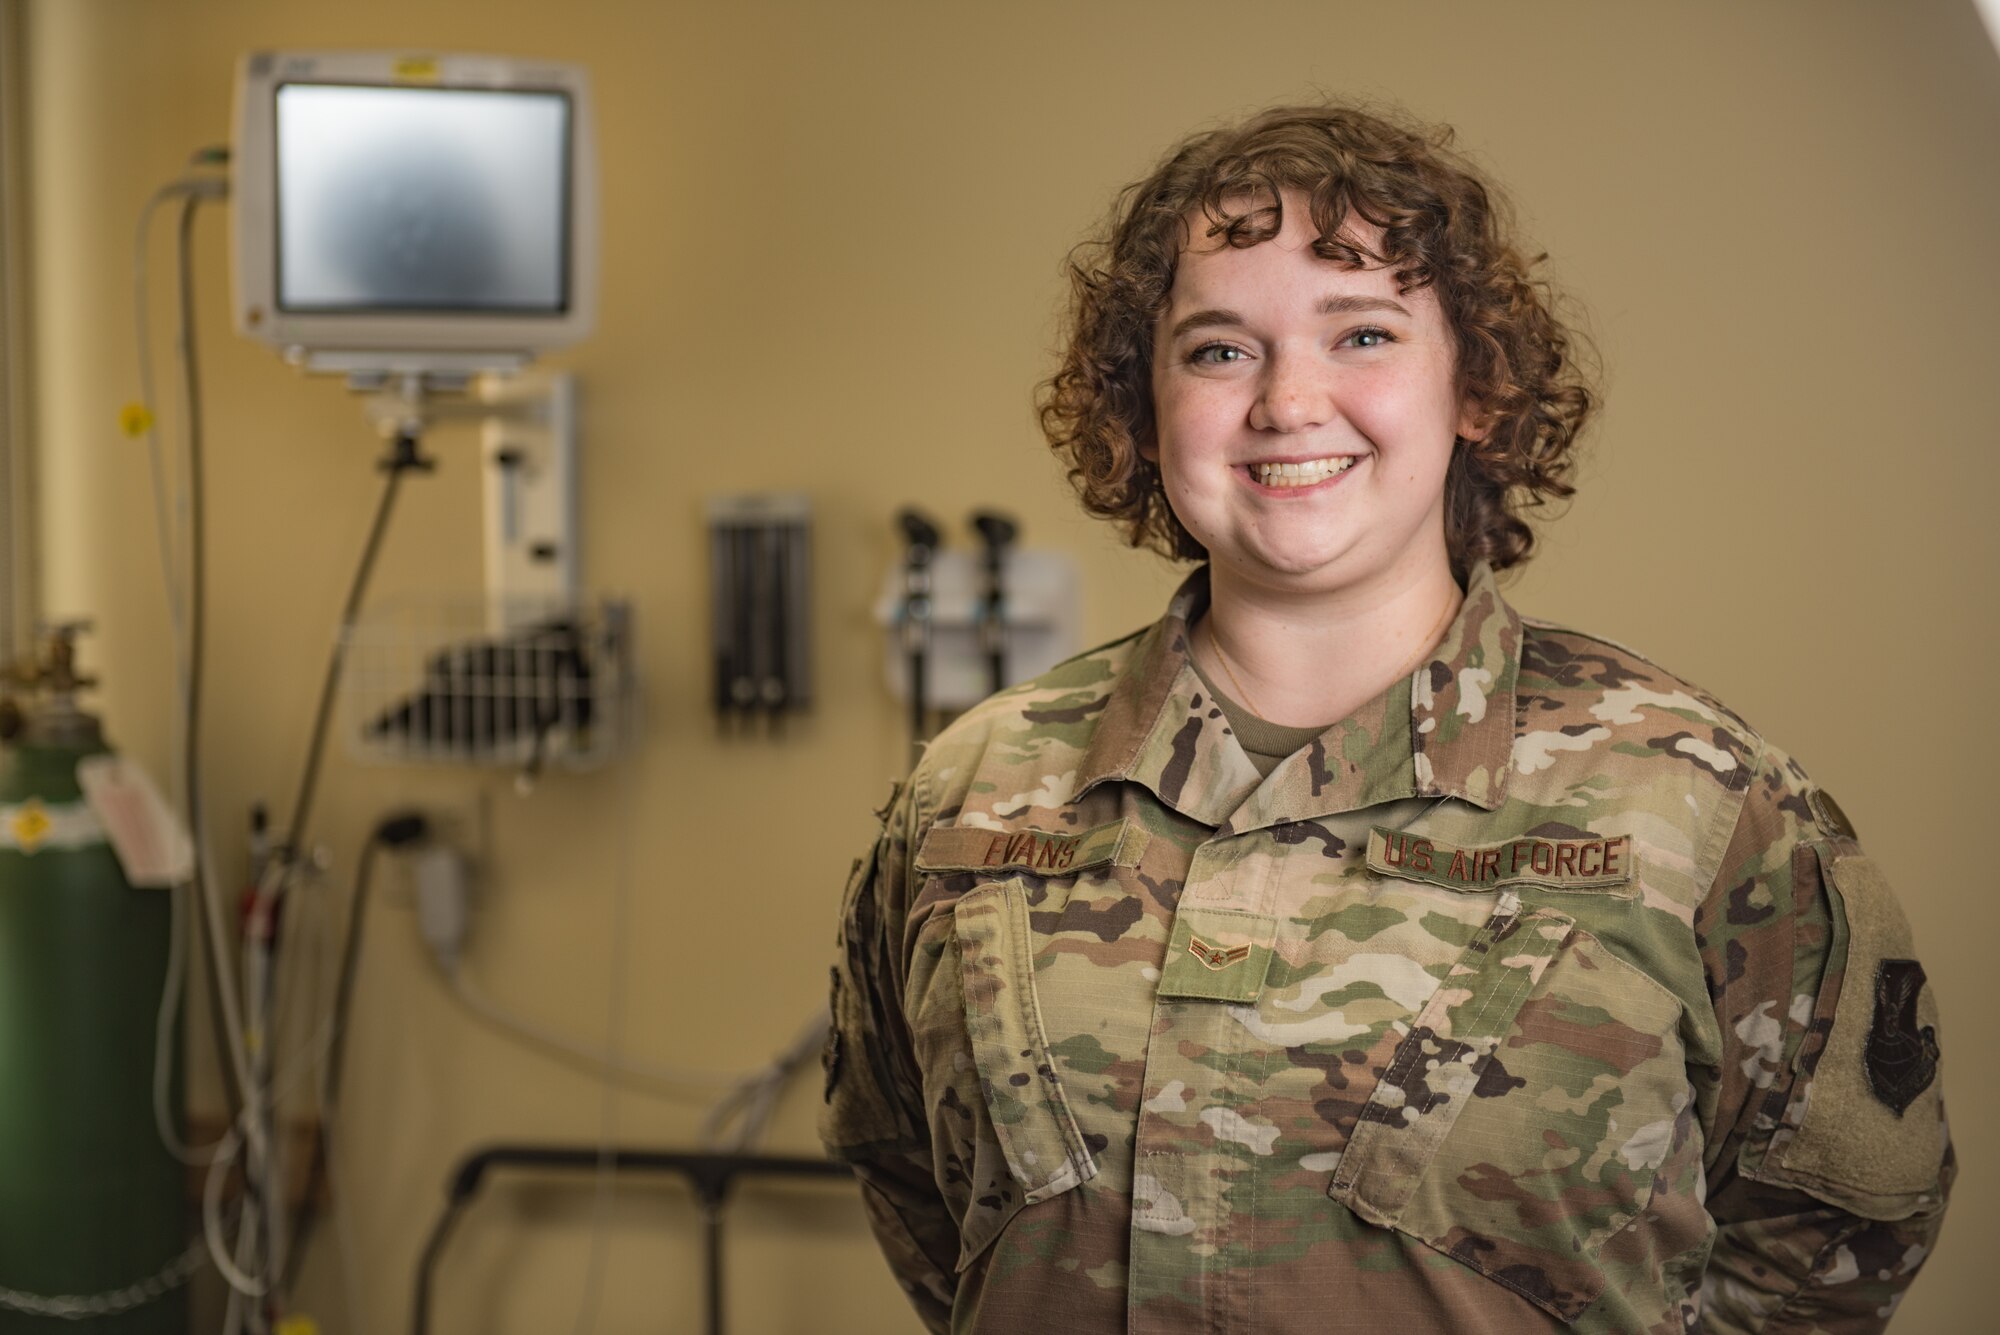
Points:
x=755 y=1097
x=442 y=917
x=237 y=1056
x=163 y=1032
x=282 y=1082
x=178 y=943
x=249 y=1129
x=166 y=529
x=246 y=1229
x=232 y=1320
x=211 y=1221
x=262 y=1229
x=300 y=923
x=805 y=1051
x=219 y=942
x=663 y=1080
x=169 y=567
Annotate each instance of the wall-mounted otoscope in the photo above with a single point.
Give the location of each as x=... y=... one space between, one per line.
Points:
x=920 y=537
x=996 y=534
x=960 y=623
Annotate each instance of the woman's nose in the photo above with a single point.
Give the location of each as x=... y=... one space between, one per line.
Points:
x=1295 y=396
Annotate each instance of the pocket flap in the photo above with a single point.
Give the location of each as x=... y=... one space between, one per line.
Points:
x=1524 y=1121
x=1451 y=1042
x=1045 y=1150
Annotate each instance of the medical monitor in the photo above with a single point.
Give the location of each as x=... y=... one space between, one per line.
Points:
x=411 y=214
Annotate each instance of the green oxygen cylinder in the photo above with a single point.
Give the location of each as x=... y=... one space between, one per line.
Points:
x=91 y=1200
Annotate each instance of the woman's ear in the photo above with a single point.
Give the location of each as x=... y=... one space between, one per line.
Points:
x=1473 y=422
x=1148 y=446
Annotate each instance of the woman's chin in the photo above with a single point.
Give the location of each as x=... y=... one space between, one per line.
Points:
x=1297 y=571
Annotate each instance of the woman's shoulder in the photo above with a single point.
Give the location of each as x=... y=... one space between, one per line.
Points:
x=1611 y=737
x=1583 y=698
x=1032 y=736
x=1613 y=680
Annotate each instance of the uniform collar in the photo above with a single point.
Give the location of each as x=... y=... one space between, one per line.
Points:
x=1447 y=730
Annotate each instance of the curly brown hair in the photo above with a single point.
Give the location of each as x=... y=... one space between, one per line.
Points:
x=1441 y=225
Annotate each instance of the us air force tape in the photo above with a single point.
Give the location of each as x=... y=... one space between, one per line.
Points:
x=1590 y=863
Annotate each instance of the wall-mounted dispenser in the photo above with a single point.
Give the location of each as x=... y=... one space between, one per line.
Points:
x=760 y=600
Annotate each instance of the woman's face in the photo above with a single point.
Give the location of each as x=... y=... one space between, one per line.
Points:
x=1305 y=413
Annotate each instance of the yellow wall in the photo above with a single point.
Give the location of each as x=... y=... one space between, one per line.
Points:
x=832 y=237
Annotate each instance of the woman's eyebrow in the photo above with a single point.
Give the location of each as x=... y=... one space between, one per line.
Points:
x=1345 y=305
x=1348 y=305
x=1202 y=320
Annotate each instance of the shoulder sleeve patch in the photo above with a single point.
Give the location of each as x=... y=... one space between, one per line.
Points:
x=1902 y=1051
x=1864 y=1128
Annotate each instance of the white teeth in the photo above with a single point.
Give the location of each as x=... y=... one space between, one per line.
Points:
x=1301 y=475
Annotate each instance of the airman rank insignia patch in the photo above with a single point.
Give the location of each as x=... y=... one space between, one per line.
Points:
x=1902 y=1058
x=1560 y=864
x=1216 y=957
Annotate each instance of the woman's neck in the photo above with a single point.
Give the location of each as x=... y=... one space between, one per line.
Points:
x=1308 y=659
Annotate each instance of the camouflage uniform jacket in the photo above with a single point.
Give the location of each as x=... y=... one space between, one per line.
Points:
x=1540 y=993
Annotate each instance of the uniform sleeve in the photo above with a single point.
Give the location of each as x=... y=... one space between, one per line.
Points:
x=1828 y=1159
x=873 y=1117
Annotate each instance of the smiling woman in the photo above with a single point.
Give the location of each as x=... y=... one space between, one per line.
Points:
x=1303 y=435
x=1376 y=194
x=1346 y=949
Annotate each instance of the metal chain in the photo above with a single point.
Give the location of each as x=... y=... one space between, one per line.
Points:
x=80 y=1307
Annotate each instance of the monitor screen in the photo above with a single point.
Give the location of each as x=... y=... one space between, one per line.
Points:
x=422 y=199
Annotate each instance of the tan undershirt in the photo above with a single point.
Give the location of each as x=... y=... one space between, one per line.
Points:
x=1265 y=742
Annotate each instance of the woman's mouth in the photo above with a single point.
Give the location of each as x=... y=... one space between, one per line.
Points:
x=1306 y=473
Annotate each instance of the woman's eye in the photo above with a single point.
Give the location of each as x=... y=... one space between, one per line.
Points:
x=1369 y=338
x=1216 y=354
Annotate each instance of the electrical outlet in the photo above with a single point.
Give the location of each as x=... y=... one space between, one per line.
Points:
x=464 y=821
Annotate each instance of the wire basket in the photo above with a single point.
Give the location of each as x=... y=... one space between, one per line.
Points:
x=465 y=681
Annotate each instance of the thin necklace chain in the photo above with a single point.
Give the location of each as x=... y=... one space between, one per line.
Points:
x=1215 y=648
x=1215 y=645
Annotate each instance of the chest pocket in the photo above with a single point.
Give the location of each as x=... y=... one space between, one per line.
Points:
x=1023 y=1109
x=1522 y=1122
